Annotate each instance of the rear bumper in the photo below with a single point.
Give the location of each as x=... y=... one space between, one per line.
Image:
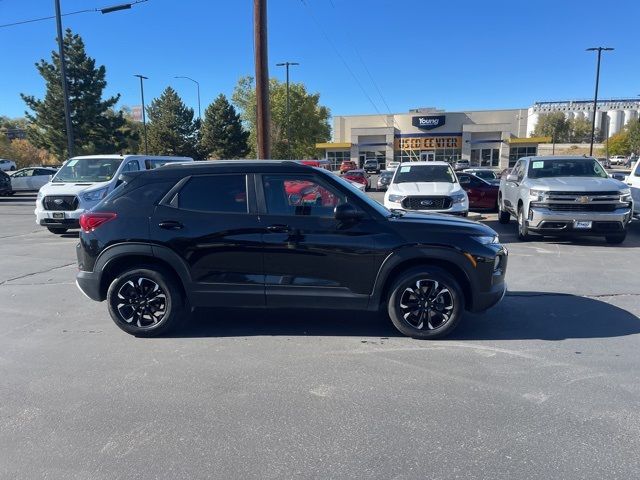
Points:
x=545 y=220
x=60 y=222
x=89 y=284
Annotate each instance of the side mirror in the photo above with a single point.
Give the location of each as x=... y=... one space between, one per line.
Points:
x=347 y=212
x=512 y=177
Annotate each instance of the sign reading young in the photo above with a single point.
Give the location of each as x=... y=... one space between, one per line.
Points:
x=428 y=122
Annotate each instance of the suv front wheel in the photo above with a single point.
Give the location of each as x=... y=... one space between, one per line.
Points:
x=425 y=303
x=145 y=302
x=523 y=228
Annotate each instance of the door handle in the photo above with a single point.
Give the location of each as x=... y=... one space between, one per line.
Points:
x=171 y=225
x=279 y=228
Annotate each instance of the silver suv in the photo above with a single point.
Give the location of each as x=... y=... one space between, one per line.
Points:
x=565 y=195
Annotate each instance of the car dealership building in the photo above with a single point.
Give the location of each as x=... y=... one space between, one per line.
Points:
x=491 y=138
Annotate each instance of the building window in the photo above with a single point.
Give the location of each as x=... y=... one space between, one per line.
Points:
x=336 y=158
x=516 y=153
x=485 y=157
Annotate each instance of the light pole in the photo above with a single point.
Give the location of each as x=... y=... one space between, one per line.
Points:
x=198 y=87
x=286 y=65
x=144 y=116
x=595 y=97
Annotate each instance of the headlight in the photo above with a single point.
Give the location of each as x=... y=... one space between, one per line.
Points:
x=536 y=195
x=396 y=198
x=95 y=195
x=625 y=195
x=40 y=194
x=458 y=197
x=486 y=239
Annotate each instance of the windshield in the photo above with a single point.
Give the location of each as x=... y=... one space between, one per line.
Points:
x=571 y=167
x=424 y=173
x=88 y=170
x=485 y=174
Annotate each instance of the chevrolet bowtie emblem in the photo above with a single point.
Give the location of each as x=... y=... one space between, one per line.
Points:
x=582 y=199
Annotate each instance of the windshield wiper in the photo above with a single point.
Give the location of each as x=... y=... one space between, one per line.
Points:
x=397 y=213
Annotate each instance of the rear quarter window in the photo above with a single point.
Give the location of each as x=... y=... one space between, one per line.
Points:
x=135 y=197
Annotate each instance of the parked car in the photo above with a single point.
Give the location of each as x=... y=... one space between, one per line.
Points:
x=5 y=184
x=358 y=176
x=347 y=165
x=565 y=195
x=225 y=234
x=321 y=163
x=618 y=160
x=31 y=179
x=483 y=194
x=384 y=179
x=371 y=165
x=483 y=173
x=392 y=165
x=633 y=181
x=461 y=165
x=426 y=186
x=82 y=182
x=7 y=165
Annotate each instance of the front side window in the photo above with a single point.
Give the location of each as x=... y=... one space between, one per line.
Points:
x=214 y=193
x=88 y=170
x=424 y=173
x=299 y=195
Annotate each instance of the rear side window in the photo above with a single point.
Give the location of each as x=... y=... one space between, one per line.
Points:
x=131 y=166
x=215 y=193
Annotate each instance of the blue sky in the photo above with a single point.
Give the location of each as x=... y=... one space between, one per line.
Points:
x=467 y=54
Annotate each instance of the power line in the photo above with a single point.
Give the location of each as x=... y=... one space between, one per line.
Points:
x=102 y=10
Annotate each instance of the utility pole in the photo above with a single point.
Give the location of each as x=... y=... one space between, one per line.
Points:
x=263 y=114
x=286 y=65
x=65 y=86
x=144 y=116
x=595 y=97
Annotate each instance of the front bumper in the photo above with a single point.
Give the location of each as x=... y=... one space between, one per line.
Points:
x=50 y=218
x=456 y=209
x=542 y=219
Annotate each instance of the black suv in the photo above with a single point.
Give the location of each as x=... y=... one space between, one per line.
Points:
x=278 y=234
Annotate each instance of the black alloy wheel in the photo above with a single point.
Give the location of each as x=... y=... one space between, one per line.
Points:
x=425 y=303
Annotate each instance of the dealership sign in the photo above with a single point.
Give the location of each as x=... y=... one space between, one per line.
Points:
x=428 y=122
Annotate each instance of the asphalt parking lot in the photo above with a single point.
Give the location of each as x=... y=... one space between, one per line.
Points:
x=545 y=385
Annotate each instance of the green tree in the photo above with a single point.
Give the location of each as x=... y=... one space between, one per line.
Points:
x=553 y=125
x=580 y=130
x=171 y=129
x=633 y=132
x=222 y=134
x=619 y=144
x=309 y=121
x=96 y=127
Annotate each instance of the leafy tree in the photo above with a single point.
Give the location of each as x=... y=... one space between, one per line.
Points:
x=580 y=130
x=96 y=128
x=309 y=121
x=24 y=153
x=222 y=134
x=633 y=132
x=553 y=125
x=619 y=144
x=171 y=129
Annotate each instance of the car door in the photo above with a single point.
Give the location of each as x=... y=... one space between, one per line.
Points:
x=511 y=186
x=41 y=177
x=211 y=223
x=20 y=179
x=310 y=258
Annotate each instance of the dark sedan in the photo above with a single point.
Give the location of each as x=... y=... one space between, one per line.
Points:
x=5 y=184
x=483 y=194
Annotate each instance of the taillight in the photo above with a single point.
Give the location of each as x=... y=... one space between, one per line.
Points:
x=92 y=220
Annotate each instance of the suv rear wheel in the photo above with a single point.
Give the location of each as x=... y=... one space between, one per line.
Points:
x=425 y=303
x=145 y=302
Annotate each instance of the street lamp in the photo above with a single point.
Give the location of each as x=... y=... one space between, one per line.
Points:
x=144 y=117
x=198 y=86
x=595 y=97
x=63 y=63
x=286 y=65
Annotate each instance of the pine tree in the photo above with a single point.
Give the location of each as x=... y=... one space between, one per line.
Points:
x=96 y=127
x=171 y=129
x=222 y=135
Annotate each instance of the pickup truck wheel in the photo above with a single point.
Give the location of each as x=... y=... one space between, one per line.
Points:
x=145 y=302
x=616 y=239
x=503 y=216
x=425 y=303
x=57 y=230
x=523 y=229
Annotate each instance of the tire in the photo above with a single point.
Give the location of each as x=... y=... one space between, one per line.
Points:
x=523 y=229
x=503 y=216
x=126 y=296
x=57 y=230
x=12 y=168
x=616 y=239
x=420 y=323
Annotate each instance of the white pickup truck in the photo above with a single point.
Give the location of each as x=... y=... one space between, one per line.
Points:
x=565 y=195
x=633 y=180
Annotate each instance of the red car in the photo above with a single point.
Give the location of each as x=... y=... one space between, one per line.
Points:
x=483 y=194
x=347 y=165
x=317 y=163
x=358 y=176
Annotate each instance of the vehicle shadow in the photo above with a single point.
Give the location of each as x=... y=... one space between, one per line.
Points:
x=508 y=234
x=520 y=316
x=18 y=198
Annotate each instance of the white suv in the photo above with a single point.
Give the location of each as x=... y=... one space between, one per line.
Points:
x=633 y=180
x=82 y=182
x=428 y=187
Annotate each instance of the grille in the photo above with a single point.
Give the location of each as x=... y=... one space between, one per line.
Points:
x=580 y=194
x=416 y=203
x=593 y=207
x=60 y=202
